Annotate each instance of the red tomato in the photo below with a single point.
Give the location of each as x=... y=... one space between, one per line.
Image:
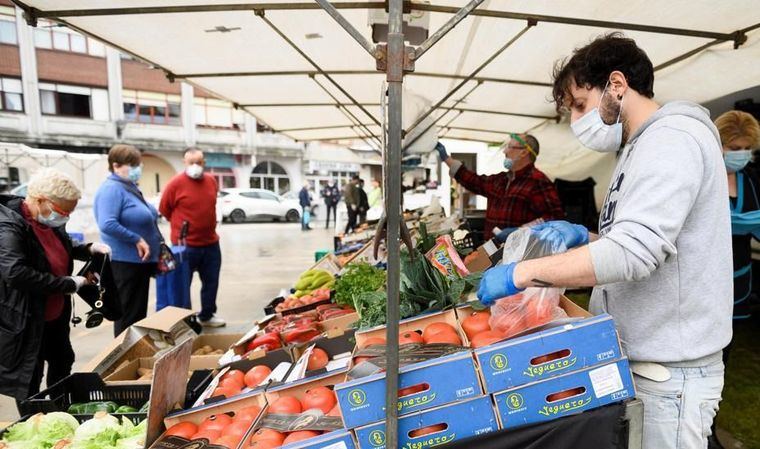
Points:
x=449 y=337
x=215 y=423
x=210 y=435
x=373 y=341
x=235 y=375
x=435 y=328
x=411 y=390
x=409 y=337
x=300 y=436
x=318 y=359
x=476 y=323
x=227 y=392
x=183 y=429
x=256 y=375
x=565 y=394
x=322 y=398
x=264 y=444
x=359 y=360
x=238 y=429
x=232 y=383
x=228 y=441
x=427 y=430
x=485 y=338
x=248 y=413
x=265 y=434
x=286 y=405
x=334 y=412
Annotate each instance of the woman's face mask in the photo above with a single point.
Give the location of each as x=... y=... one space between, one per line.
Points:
x=54 y=219
x=736 y=160
x=594 y=134
x=135 y=173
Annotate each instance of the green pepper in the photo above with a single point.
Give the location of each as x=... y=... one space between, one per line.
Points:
x=76 y=409
x=100 y=406
x=126 y=409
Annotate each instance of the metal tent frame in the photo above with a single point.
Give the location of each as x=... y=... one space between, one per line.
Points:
x=395 y=60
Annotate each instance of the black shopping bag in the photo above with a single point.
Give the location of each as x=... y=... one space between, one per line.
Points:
x=101 y=296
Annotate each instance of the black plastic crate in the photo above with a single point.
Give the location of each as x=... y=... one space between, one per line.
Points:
x=83 y=387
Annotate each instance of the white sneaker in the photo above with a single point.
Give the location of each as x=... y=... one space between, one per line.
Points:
x=214 y=321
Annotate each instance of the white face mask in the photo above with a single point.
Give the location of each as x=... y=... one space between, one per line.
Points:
x=594 y=134
x=194 y=171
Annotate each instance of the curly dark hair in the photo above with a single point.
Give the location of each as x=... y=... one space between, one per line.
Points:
x=590 y=67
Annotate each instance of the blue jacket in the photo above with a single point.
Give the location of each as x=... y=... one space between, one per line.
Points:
x=123 y=219
x=304 y=198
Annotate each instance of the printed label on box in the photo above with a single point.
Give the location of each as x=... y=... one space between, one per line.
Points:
x=606 y=380
x=338 y=445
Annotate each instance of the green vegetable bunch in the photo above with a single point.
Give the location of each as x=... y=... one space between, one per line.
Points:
x=358 y=278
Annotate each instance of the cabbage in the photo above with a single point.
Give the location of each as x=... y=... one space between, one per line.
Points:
x=101 y=423
x=41 y=431
x=105 y=432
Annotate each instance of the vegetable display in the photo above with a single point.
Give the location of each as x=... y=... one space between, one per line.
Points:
x=59 y=430
x=358 y=278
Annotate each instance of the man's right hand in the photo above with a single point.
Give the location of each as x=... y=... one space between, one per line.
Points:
x=561 y=232
x=143 y=250
x=442 y=154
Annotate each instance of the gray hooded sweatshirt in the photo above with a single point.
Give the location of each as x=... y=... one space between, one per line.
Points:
x=663 y=262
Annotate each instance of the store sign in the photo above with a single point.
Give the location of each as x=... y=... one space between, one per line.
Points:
x=331 y=166
x=219 y=160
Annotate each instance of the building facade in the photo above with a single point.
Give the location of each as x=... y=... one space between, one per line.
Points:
x=62 y=90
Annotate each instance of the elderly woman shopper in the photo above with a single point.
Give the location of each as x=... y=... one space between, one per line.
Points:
x=36 y=262
x=128 y=225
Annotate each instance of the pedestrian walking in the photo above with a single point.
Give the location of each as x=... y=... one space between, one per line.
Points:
x=304 y=199
x=331 y=196
x=190 y=197
x=351 y=198
x=363 y=203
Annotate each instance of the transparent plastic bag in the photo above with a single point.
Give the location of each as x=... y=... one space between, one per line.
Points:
x=536 y=306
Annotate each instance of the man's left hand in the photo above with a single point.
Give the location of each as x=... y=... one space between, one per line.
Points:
x=498 y=282
x=100 y=248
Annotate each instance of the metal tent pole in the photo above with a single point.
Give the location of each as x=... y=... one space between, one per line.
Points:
x=395 y=78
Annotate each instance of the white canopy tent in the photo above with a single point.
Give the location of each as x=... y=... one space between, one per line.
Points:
x=291 y=65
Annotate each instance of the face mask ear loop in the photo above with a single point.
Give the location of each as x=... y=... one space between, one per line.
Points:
x=620 y=111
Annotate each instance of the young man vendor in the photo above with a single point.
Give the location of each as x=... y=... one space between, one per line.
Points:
x=662 y=262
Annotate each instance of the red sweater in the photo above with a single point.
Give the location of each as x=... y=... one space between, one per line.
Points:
x=194 y=201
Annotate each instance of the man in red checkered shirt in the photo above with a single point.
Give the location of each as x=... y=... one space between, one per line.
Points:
x=515 y=197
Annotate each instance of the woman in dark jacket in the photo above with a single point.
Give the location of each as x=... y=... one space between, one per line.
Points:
x=36 y=261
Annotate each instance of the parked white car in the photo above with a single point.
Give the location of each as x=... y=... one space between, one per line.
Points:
x=240 y=205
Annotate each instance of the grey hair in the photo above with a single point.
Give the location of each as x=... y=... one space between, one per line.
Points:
x=54 y=185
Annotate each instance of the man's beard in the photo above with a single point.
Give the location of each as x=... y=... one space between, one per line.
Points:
x=609 y=110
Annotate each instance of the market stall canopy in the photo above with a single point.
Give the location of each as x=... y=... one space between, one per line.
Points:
x=271 y=63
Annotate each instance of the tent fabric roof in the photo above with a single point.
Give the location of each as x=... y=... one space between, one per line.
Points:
x=180 y=43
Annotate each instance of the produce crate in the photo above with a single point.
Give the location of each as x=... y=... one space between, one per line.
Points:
x=83 y=387
x=269 y=308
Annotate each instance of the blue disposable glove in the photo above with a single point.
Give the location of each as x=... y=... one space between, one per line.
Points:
x=497 y=282
x=442 y=154
x=560 y=232
x=504 y=233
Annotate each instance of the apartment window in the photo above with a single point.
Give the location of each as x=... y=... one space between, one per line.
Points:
x=57 y=37
x=8 y=26
x=74 y=101
x=11 y=95
x=152 y=107
x=225 y=177
x=213 y=113
x=270 y=176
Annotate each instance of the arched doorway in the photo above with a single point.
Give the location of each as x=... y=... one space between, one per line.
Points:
x=270 y=176
x=156 y=173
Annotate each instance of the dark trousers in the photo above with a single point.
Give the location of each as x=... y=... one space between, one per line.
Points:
x=334 y=209
x=351 y=219
x=55 y=350
x=132 y=286
x=207 y=261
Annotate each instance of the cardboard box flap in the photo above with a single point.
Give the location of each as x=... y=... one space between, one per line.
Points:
x=165 y=319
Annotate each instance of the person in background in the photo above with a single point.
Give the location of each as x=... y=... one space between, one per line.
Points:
x=351 y=198
x=661 y=264
x=363 y=203
x=304 y=199
x=190 y=197
x=739 y=135
x=375 y=197
x=36 y=262
x=127 y=224
x=331 y=195
x=517 y=196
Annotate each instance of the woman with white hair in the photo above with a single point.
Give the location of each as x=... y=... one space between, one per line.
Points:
x=36 y=262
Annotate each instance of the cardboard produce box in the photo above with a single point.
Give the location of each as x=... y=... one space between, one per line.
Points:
x=564 y=395
x=484 y=257
x=140 y=371
x=147 y=338
x=337 y=345
x=436 y=426
x=569 y=346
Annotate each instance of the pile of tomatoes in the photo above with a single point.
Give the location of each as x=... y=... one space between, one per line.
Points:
x=321 y=398
x=226 y=429
x=441 y=333
x=234 y=381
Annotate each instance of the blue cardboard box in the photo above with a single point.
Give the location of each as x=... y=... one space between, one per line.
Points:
x=550 y=353
x=443 y=380
x=565 y=395
x=338 y=439
x=457 y=421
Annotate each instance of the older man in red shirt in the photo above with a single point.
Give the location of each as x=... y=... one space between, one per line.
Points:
x=191 y=197
x=515 y=197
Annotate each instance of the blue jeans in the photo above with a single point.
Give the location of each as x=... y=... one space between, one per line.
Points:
x=679 y=412
x=207 y=261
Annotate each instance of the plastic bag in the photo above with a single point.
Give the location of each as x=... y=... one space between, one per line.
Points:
x=534 y=307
